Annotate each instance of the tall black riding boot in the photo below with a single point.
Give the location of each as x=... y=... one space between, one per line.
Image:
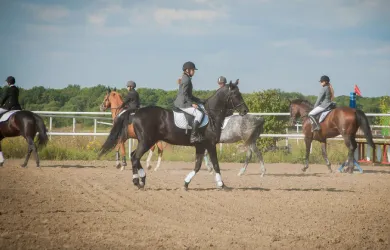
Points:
x=195 y=135
x=314 y=124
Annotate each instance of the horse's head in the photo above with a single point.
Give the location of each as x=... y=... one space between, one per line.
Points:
x=108 y=99
x=299 y=108
x=235 y=100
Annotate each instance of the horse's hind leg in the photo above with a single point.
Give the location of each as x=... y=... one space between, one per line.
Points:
x=351 y=144
x=31 y=147
x=325 y=155
x=150 y=155
x=247 y=160
x=207 y=162
x=123 y=152
x=117 y=157
x=138 y=171
x=1 y=153
x=160 y=149
x=259 y=155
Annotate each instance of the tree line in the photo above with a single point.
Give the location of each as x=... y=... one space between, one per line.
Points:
x=76 y=98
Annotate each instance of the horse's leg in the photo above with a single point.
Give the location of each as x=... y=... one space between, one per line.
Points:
x=123 y=152
x=214 y=159
x=117 y=157
x=308 y=141
x=30 y=143
x=160 y=148
x=259 y=155
x=351 y=144
x=325 y=155
x=1 y=153
x=138 y=171
x=148 y=165
x=198 y=163
x=247 y=160
x=207 y=161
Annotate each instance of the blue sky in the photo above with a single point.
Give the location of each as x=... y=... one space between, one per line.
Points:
x=286 y=44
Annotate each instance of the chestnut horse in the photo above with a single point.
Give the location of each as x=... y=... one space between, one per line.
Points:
x=113 y=101
x=344 y=121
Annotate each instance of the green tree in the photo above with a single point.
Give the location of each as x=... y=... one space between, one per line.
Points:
x=269 y=101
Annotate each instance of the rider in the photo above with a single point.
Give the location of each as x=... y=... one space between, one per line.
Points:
x=324 y=100
x=222 y=82
x=9 y=99
x=131 y=102
x=189 y=103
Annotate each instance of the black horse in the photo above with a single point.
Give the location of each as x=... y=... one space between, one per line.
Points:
x=27 y=124
x=152 y=124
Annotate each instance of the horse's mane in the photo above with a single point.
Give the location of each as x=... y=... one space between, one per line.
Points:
x=215 y=93
x=302 y=101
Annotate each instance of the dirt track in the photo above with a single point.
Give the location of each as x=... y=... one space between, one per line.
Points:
x=91 y=205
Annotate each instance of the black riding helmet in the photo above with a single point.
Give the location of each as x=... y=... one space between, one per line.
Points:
x=10 y=80
x=189 y=65
x=324 y=79
x=131 y=84
x=222 y=79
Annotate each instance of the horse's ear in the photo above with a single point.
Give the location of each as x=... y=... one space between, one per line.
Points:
x=115 y=89
x=237 y=82
x=108 y=90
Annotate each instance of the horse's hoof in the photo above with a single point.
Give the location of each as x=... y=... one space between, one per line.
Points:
x=185 y=188
x=220 y=185
x=124 y=164
x=23 y=165
x=242 y=171
x=118 y=165
x=150 y=167
x=303 y=169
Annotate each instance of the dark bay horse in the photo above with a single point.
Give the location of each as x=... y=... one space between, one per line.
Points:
x=344 y=121
x=152 y=124
x=113 y=100
x=27 y=124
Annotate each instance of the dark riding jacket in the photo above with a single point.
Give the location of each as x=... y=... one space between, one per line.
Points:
x=184 y=98
x=131 y=101
x=10 y=98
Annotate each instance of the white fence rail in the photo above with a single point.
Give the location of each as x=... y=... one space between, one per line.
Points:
x=103 y=116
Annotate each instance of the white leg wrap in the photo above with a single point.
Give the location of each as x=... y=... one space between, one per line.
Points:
x=218 y=179
x=1 y=157
x=189 y=177
x=159 y=161
x=141 y=172
x=135 y=176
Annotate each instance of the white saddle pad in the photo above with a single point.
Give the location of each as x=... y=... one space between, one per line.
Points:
x=181 y=121
x=7 y=115
x=323 y=115
x=225 y=122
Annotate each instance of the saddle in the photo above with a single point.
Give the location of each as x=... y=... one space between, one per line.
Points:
x=321 y=116
x=183 y=120
x=6 y=115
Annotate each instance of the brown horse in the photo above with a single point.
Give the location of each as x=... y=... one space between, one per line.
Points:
x=113 y=101
x=344 y=121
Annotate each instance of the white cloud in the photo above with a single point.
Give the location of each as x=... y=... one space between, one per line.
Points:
x=382 y=50
x=48 y=13
x=303 y=46
x=97 y=19
x=165 y=16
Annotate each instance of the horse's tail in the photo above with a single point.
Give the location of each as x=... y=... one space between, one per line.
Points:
x=362 y=122
x=259 y=127
x=117 y=134
x=42 y=130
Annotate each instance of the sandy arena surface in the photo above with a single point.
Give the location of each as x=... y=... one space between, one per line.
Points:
x=92 y=205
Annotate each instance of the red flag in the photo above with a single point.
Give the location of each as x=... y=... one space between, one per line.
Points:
x=357 y=90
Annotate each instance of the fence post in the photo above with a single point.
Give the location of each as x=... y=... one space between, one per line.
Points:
x=94 y=127
x=50 y=125
x=74 y=124
x=286 y=137
x=297 y=125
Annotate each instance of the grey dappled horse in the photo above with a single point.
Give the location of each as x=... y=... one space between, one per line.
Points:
x=248 y=129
